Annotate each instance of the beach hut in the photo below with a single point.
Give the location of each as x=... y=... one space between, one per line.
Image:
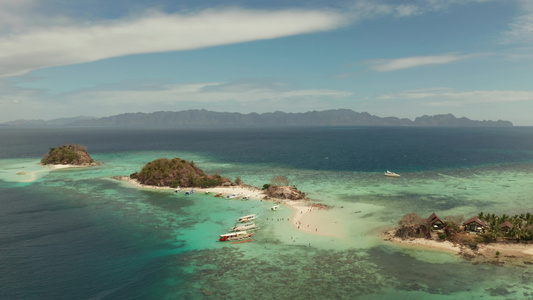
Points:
x=474 y=224
x=506 y=226
x=435 y=222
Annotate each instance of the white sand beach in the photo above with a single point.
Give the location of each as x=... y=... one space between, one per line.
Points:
x=485 y=252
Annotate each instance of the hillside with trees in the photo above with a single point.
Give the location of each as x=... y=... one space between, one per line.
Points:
x=68 y=154
x=177 y=172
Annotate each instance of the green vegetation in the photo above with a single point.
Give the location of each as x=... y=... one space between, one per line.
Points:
x=520 y=229
x=177 y=172
x=68 y=154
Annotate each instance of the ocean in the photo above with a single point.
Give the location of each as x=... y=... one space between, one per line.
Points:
x=79 y=234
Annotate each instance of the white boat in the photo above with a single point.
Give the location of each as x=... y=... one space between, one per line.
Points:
x=247 y=218
x=235 y=236
x=232 y=196
x=245 y=226
x=391 y=174
x=275 y=207
x=247 y=197
x=190 y=192
x=177 y=189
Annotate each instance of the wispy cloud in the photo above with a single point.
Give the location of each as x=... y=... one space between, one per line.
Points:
x=452 y=97
x=245 y=92
x=387 y=65
x=520 y=31
x=156 y=32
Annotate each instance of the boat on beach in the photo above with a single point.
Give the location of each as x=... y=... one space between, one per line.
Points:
x=247 y=218
x=235 y=236
x=245 y=227
x=391 y=174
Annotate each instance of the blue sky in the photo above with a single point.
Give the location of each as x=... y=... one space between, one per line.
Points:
x=471 y=58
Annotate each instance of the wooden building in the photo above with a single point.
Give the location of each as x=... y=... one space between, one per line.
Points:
x=506 y=226
x=435 y=222
x=474 y=224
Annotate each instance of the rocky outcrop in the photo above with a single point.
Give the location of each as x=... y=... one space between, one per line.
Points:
x=68 y=154
x=285 y=192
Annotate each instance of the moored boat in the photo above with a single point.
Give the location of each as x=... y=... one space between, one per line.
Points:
x=245 y=227
x=235 y=236
x=391 y=174
x=190 y=192
x=247 y=218
x=218 y=194
x=275 y=207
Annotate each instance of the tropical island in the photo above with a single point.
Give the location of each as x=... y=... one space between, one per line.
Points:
x=180 y=173
x=483 y=238
x=68 y=155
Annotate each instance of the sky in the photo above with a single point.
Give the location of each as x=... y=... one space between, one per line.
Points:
x=64 y=58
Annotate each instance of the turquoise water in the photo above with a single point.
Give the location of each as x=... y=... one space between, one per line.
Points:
x=78 y=234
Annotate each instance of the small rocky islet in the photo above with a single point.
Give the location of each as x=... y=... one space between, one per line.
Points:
x=68 y=154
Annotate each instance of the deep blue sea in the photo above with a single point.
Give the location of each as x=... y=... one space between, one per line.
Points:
x=79 y=234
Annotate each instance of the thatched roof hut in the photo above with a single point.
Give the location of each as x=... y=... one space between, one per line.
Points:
x=435 y=222
x=474 y=224
x=506 y=226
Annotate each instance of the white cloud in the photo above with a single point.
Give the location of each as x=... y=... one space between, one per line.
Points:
x=157 y=32
x=387 y=65
x=451 y=97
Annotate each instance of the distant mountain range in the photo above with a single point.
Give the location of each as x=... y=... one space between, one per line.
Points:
x=336 y=117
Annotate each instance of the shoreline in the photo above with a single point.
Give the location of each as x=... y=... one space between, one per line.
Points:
x=304 y=213
x=514 y=253
x=67 y=166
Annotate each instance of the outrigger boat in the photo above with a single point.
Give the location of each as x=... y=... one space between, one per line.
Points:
x=235 y=236
x=245 y=226
x=247 y=218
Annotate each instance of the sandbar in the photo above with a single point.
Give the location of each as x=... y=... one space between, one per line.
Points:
x=306 y=216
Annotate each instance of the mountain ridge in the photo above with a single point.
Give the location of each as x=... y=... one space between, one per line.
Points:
x=333 y=117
